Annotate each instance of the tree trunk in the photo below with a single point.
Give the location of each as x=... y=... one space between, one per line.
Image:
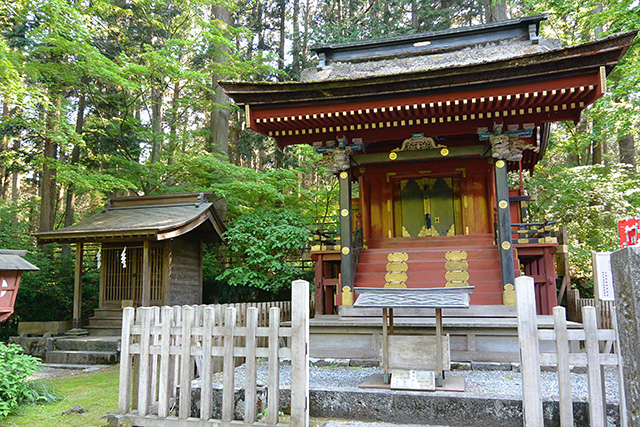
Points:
x=70 y=196
x=281 y=44
x=415 y=22
x=48 y=188
x=218 y=138
x=5 y=173
x=626 y=146
x=305 y=38
x=156 y=123
x=295 y=48
x=173 y=125
x=597 y=152
x=496 y=10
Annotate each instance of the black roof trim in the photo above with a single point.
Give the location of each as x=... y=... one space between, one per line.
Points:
x=430 y=41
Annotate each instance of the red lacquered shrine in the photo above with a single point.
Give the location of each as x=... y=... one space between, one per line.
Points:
x=427 y=126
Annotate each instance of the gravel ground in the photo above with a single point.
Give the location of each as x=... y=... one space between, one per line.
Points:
x=494 y=384
x=49 y=371
x=340 y=423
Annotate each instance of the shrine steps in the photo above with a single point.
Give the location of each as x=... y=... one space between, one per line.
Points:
x=84 y=351
x=105 y=322
x=451 y=242
x=427 y=265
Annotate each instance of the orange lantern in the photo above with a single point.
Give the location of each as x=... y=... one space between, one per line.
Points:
x=11 y=267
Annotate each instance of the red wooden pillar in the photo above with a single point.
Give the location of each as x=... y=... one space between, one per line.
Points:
x=550 y=275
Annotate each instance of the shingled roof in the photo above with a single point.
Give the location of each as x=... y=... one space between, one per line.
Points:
x=11 y=260
x=145 y=218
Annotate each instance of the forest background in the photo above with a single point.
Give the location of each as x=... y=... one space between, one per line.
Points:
x=115 y=97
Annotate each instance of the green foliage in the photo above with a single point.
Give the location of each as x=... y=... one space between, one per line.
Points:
x=266 y=242
x=588 y=200
x=15 y=368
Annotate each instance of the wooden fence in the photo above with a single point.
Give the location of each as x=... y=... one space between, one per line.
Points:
x=575 y=305
x=164 y=349
x=597 y=354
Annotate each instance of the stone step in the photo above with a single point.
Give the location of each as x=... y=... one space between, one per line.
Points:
x=451 y=242
x=104 y=331
x=430 y=265
x=428 y=254
x=87 y=344
x=82 y=357
x=113 y=322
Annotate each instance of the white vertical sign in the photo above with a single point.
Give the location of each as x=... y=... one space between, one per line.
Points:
x=602 y=277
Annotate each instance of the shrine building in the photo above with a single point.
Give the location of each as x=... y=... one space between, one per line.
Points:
x=150 y=251
x=422 y=131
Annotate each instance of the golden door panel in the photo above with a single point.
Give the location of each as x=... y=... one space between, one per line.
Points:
x=427 y=207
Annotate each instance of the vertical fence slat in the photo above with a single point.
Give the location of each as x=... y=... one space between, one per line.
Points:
x=594 y=379
x=145 y=365
x=175 y=359
x=199 y=313
x=124 y=396
x=165 y=366
x=624 y=421
x=273 y=382
x=155 y=340
x=299 y=353
x=529 y=351
x=564 y=374
x=228 y=365
x=207 y=379
x=186 y=362
x=220 y=313
x=251 y=368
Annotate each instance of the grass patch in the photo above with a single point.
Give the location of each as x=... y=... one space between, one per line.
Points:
x=96 y=392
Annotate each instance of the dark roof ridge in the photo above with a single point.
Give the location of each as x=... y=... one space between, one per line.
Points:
x=453 y=38
x=433 y=34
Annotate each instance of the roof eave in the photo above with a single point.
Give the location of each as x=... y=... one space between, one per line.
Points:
x=605 y=52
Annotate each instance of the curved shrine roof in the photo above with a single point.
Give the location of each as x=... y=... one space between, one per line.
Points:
x=144 y=218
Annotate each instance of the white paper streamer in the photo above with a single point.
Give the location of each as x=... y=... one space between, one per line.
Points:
x=123 y=257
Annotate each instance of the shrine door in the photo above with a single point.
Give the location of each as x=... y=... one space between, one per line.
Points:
x=426 y=207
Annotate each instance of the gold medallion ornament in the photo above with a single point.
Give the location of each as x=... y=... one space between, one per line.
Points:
x=503 y=204
x=455 y=255
x=347 y=296
x=345 y=251
x=393 y=156
x=456 y=269
x=506 y=246
x=397 y=267
x=509 y=295
x=344 y=175
x=344 y=212
x=398 y=257
x=444 y=151
x=396 y=277
x=500 y=164
x=363 y=170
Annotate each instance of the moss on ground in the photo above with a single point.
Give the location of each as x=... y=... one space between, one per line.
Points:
x=95 y=392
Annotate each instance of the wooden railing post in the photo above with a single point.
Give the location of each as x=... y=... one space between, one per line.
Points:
x=228 y=365
x=529 y=351
x=564 y=370
x=300 y=354
x=273 y=382
x=124 y=396
x=596 y=399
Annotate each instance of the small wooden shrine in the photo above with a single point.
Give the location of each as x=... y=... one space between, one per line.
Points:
x=150 y=250
x=422 y=131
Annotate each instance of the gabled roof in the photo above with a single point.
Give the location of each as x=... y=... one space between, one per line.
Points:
x=145 y=218
x=11 y=260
